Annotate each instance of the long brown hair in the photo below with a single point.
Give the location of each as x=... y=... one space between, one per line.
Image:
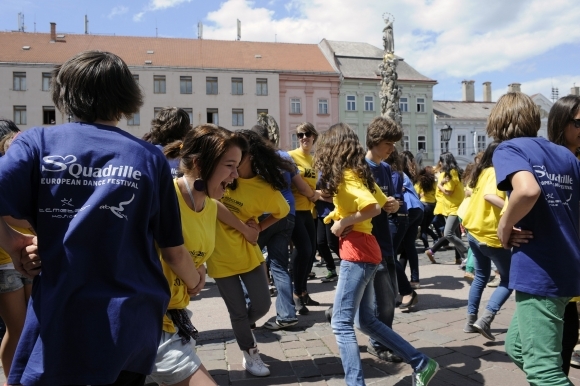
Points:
x=514 y=115
x=339 y=149
x=427 y=179
x=560 y=116
x=170 y=124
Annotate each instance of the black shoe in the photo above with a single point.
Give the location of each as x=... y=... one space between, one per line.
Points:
x=385 y=355
x=300 y=306
x=410 y=303
x=307 y=300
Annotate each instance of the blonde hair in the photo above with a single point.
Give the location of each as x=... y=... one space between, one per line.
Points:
x=514 y=115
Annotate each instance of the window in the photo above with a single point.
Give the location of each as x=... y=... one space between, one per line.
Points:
x=159 y=84
x=323 y=106
x=444 y=146
x=19 y=81
x=237 y=86
x=189 y=112
x=420 y=105
x=237 y=117
x=156 y=111
x=46 y=77
x=461 y=143
x=135 y=120
x=406 y=142
x=369 y=103
x=481 y=143
x=48 y=115
x=212 y=116
x=294 y=141
x=20 y=115
x=350 y=103
x=421 y=142
x=262 y=111
x=295 y=106
x=261 y=86
x=211 y=86
x=404 y=105
x=136 y=77
x=185 y=84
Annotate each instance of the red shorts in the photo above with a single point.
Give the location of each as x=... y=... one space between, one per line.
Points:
x=360 y=248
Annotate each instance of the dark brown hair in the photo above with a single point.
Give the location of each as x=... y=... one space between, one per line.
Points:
x=202 y=148
x=409 y=165
x=307 y=127
x=7 y=127
x=169 y=125
x=427 y=179
x=561 y=114
x=514 y=115
x=95 y=85
x=339 y=149
x=382 y=129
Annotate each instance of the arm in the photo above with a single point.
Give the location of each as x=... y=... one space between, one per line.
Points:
x=392 y=205
x=494 y=200
x=304 y=189
x=17 y=223
x=526 y=192
x=15 y=244
x=224 y=215
x=199 y=287
x=267 y=222
x=367 y=212
x=180 y=262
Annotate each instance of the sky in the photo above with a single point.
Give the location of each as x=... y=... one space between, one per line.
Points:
x=532 y=42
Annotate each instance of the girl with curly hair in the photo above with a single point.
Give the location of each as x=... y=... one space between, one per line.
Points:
x=347 y=177
x=235 y=260
x=425 y=188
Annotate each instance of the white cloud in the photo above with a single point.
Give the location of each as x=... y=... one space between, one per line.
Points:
x=446 y=38
x=116 y=11
x=156 y=5
x=544 y=86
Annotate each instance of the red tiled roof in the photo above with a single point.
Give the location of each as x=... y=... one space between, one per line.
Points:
x=168 y=52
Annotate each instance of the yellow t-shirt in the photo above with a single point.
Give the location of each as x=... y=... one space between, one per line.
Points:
x=464 y=205
x=441 y=204
x=198 y=230
x=4 y=256
x=427 y=197
x=352 y=197
x=308 y=174
x=452 y=201
x=233 y=254
x=482 y=218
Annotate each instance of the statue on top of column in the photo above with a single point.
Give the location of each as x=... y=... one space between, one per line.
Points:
x=390 y=91
x=388 y=40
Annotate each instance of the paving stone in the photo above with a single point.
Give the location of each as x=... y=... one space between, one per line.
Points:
x=461 y=364
x=432 y=336
x=318 y=350
x=267 y=381
x=336 y=382
x=295 y=352
x=288 y=338
x=292 y=344
x=428 y=324
x=498 y=376
x=445 y=377
x=221 y=380
x=211 y=355
x=406 y=328
x=431 y=350
x=314 y=343
x=321 y=360
x=307 y=371
x=216 y=367
x=331 y=369
x=314 y=381
x=210 y=346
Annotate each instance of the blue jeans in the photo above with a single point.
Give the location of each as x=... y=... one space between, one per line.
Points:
x=277 y=238
x=483 y=255
x=354 y=303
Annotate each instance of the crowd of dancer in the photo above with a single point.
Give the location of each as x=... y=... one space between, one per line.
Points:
x=119 y=233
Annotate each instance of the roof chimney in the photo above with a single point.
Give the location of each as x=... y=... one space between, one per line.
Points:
x=487 y=91
x=514 y=87
x=575 y=90
x=53 y=32
x=468 y=91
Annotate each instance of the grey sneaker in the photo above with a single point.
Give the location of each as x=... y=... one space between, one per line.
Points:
x=386 y=355
x=423 y=377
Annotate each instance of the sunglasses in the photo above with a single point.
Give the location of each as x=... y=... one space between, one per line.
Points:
x=576 y=123
x=302 y=135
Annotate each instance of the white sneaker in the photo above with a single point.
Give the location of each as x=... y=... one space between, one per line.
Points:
x=575 y=360
x=253 y=363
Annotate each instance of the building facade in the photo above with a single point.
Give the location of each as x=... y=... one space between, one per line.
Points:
x=359 y=100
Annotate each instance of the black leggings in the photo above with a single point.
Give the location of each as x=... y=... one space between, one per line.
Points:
x=569 y=335
x=304 y=240
x=128 y=378
x=425 y=224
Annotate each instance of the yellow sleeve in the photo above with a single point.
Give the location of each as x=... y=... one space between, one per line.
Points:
x=490 y=186
x=355 y=187
x=379 y=196
x=278 y=207
x=451 y=185
x=332 y=216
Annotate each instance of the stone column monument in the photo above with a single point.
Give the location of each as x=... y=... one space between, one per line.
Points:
x=390 y=91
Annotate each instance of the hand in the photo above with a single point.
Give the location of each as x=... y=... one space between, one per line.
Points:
x=392 y=205
x=25 y=255
x=315 y=197
x=195 y=291
x=504 y=232
x=337 y=228
x=252 y=232
x=347 y=230
x=519 y=236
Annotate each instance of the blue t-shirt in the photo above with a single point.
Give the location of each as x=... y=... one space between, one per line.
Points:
x=98 y=199
x=382 y=173
x=410 y=196
x=287 y=193
x=173 y=164
x=323 y=208
x=549 y=265
x=398 y=194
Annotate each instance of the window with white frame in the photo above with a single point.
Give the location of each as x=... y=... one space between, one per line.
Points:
x=294 y=141
x=351 y=103
x=185 y=85
x=404 y=105
x=159 y=84
x=19 y=81
x=237 y=86
x=481 y=139
x=211 y=85
x=444 y=146
x=189 y=113
x=135 y=119
x=461 y=144
x=237 y=117
x=20 y=115
x=421 y=142
x=420 y=105
x=369 y=103
x=406 y=146
x=46 y=77
x=261 y=86
x=295 y=106
x=323 y=106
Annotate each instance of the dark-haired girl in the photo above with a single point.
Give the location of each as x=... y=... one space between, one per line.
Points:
x=235 y=260
x=425 y=188
x=347 y=177
x=481 y=218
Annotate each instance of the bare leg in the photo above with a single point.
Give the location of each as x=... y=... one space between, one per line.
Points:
x=13 y=312
x=200 y=378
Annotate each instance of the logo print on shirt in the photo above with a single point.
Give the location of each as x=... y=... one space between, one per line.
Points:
x=53 y=160
x=118 y=209
x=66 y=201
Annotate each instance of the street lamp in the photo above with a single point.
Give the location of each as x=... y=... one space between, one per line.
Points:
x=446 y=135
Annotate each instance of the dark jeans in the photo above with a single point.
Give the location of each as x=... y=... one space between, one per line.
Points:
x=570 y=335
x=399 y=225
x=408 y=243
x=325 y=242
x=385 y=284
x=128 y=378
x=276 y=238
x=425 y=224
x=304 y=239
